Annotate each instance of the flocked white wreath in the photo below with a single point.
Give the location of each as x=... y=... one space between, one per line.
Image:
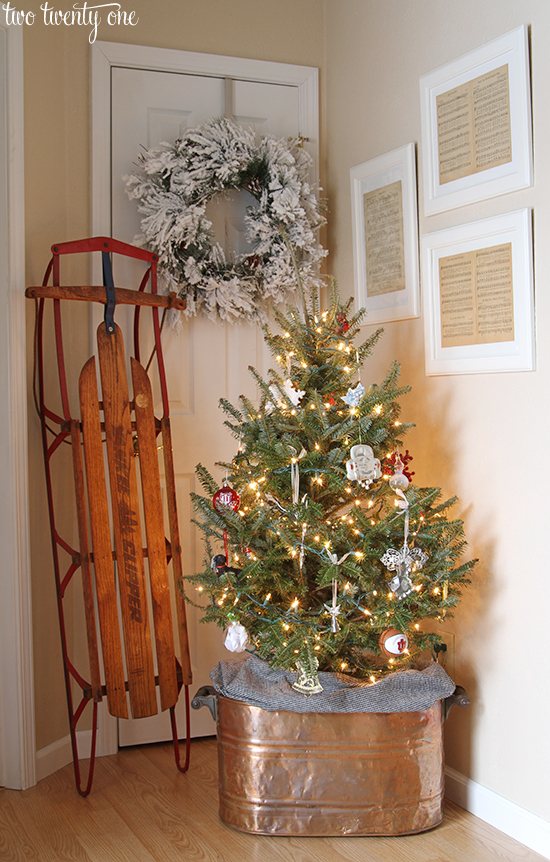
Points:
x=174 y=184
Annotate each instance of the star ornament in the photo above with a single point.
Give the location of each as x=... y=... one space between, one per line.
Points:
x=354 y=396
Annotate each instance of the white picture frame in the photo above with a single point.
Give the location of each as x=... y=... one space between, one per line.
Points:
x=394 y=172
x=510 y=52
x=515 y=353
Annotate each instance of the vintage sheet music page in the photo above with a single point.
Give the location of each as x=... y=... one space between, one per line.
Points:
x=476 y=297
x=473 y=126
x=384 y=239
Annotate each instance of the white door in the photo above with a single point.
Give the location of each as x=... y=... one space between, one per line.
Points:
x=205 y=361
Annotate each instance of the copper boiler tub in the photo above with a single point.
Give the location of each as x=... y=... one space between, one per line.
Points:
x=289 y=773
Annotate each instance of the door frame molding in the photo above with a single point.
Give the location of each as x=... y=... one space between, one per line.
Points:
x=105 y=56
x=17 y=728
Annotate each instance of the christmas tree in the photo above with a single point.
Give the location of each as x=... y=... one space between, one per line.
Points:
x=320 y=551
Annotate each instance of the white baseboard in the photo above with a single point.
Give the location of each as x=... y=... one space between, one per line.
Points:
x=517 y=822
x=59 y=753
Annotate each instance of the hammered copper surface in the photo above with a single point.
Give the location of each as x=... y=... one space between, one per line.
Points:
x=289 y=773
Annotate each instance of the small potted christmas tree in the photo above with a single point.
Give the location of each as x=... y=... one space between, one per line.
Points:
x=323 y=558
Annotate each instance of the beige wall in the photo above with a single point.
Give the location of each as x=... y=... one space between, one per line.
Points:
x=479 y=436
x=57 y=171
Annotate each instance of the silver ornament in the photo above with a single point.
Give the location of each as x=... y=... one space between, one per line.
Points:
x=403 y=562
x=334 y=608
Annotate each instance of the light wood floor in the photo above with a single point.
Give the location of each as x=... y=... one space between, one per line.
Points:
x=142 y=810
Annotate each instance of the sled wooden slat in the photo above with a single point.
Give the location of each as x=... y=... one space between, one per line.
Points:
x=115 y=681
x=126 y=523
x=154 y=527
x=123 y=556
x=87 y=588
x=176 y=549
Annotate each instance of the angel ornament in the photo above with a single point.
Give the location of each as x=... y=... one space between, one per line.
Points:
x=334 y=608
x=362 y=467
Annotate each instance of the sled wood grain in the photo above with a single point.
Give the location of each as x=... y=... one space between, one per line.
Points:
x=126 y=523
x=96 y=293
x=101 y=542
x=154 y=527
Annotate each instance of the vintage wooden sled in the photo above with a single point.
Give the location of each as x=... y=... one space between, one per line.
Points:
x=123 y=554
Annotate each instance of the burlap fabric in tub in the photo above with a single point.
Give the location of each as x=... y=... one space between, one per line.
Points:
x=313 y=771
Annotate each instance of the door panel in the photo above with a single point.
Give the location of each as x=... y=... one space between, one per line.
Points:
x=271 y=109
x=204 y=361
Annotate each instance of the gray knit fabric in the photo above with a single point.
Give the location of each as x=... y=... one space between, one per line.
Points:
x=254 y=682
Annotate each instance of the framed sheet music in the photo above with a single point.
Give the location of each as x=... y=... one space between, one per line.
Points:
x=478 y=296
x=476 y=125
x=385 y=236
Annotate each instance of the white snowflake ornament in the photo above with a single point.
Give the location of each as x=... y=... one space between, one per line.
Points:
x=354 y=396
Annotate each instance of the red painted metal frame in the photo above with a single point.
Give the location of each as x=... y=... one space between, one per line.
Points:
x=52 y=439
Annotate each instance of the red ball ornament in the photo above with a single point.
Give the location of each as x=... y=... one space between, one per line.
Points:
x=393 y=643
x=226 y=498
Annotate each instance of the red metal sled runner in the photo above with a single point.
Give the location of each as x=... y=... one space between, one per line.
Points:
x=131 y=575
